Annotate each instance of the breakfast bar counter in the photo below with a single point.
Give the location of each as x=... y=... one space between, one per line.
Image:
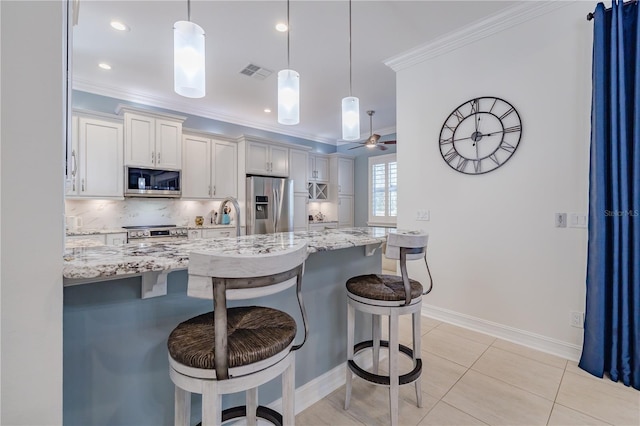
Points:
x=115 y=368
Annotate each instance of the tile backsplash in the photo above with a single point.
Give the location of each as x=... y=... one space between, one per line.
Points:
x=106 y=214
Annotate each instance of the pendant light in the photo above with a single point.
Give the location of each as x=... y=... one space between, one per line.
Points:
x=188 y=58
x=350 y=104
x=288 y=89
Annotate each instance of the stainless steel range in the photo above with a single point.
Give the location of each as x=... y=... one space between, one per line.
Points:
x=155 y=233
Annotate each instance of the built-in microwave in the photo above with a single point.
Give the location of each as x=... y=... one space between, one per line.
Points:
x=142 y=182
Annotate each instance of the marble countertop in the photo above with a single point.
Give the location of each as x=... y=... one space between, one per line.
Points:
x=115 y=261
x=94 y=231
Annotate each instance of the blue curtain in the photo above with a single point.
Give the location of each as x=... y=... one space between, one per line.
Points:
x=612 y=323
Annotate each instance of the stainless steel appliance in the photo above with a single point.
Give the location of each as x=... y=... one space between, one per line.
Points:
x=141 y=182
x=269 y=205
x=155 y=233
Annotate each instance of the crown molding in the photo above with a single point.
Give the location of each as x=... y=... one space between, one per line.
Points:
x=509 y=17
x=187 y=108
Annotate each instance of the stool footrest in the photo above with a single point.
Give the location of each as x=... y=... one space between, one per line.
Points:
x=262 y=412
x=404 y=379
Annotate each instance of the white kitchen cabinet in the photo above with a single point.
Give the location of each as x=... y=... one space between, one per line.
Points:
x=268 y=160
x=152 y=140
x=116 y=239
x=194 y=234
x=219 y=233
x=345 y=176
x=298 y=169
x=318 y=168
x=318 y=191
x=322 y=226
x=300 y=211
x=345 y=211
x=209 y=169
x=96 y=158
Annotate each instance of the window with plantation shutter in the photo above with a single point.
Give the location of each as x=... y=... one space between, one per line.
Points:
x=383 y=190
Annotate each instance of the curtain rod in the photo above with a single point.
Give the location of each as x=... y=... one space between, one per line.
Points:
x=590 y=15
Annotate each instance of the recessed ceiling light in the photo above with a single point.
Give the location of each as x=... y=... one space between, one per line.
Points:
x=104 y=66
x=281 y=27
x=267 y=110
x=120 y=26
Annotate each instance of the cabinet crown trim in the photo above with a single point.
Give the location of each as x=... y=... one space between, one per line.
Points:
x=203 y=134
x=121 y=109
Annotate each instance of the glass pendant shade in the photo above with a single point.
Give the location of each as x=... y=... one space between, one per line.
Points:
x=350 y=118
x=188 y=59
x=288 y=97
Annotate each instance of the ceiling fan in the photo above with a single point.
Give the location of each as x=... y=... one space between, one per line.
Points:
x=373 y=140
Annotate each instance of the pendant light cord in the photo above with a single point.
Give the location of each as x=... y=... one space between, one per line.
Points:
x=288 y=34
x=350 y=72
x=189 y=10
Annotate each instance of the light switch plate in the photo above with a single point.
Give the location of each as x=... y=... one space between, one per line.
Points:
x=561 y=220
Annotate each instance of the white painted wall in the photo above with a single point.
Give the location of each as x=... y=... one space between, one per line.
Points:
x=497 y=260
x=31 y=200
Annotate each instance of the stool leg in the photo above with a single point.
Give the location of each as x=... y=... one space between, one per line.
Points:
x=182 y=407
x=288 y=393
x=211 y=404
x=375 y=332
x=252 y=405
x=394 y=374
x=417 y=336
x=351 y=317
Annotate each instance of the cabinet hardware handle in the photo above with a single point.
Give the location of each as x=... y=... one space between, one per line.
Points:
x=74 y=165
x=153 y=156
x=82 y=184
x=158 y=158
x=209 y=190
x=214 y=190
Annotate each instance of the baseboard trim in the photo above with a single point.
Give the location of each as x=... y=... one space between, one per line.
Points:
x=522 y=337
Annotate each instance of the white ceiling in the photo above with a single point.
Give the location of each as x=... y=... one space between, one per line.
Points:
x=242 y=32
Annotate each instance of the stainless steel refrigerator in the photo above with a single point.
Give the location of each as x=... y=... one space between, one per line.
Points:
x=269 y=205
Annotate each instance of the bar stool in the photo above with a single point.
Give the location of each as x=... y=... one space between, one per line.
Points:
x=233 y=349
x=392 y=296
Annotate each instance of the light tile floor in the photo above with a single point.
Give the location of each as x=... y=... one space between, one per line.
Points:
x=469 y=378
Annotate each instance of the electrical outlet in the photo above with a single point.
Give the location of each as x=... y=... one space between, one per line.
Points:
x=422 y=215
x=561 y=220
x=577 y=319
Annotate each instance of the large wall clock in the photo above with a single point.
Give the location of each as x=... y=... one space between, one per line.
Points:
x=480 y=135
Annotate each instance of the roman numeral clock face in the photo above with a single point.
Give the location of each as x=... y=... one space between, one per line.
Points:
x=480 y=135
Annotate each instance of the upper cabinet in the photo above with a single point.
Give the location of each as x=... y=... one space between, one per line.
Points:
x=152 y=140
x=342 y=175
x=210 y=167
x=268 y=160
x=318 y=168
x=96 y=158
x=298 y=169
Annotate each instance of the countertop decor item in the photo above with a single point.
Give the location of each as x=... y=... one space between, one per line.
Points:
x=480 y=135
x=199 y=220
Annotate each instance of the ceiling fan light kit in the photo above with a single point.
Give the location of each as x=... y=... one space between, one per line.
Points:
x=350 y=104
x=188 y=58
x=373 y=141
x=288 y=89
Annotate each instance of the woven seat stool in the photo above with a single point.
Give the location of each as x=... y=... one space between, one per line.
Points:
x=235 y=349
x=392 y=296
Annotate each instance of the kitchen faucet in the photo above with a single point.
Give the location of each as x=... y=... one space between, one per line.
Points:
x=236 y=208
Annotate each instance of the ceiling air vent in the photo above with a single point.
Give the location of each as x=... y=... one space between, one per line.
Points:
x=256 y=72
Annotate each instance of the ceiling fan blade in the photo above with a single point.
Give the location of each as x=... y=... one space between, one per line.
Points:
x=388 y=142
x=382 y=147
x=359 y=146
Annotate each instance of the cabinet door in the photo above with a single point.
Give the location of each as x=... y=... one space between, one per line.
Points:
x=116 y=239
x=345 y=176
x=168 y=144
x=322 y=169
x=139 y=140
x=225 y=172
x=100 y=159
x=298 y=170
x=279 y=161
x=196 y=173
x=300 y=215
x=218 y=233
x=345 y=212
x=257 y=158
x=194 y=234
